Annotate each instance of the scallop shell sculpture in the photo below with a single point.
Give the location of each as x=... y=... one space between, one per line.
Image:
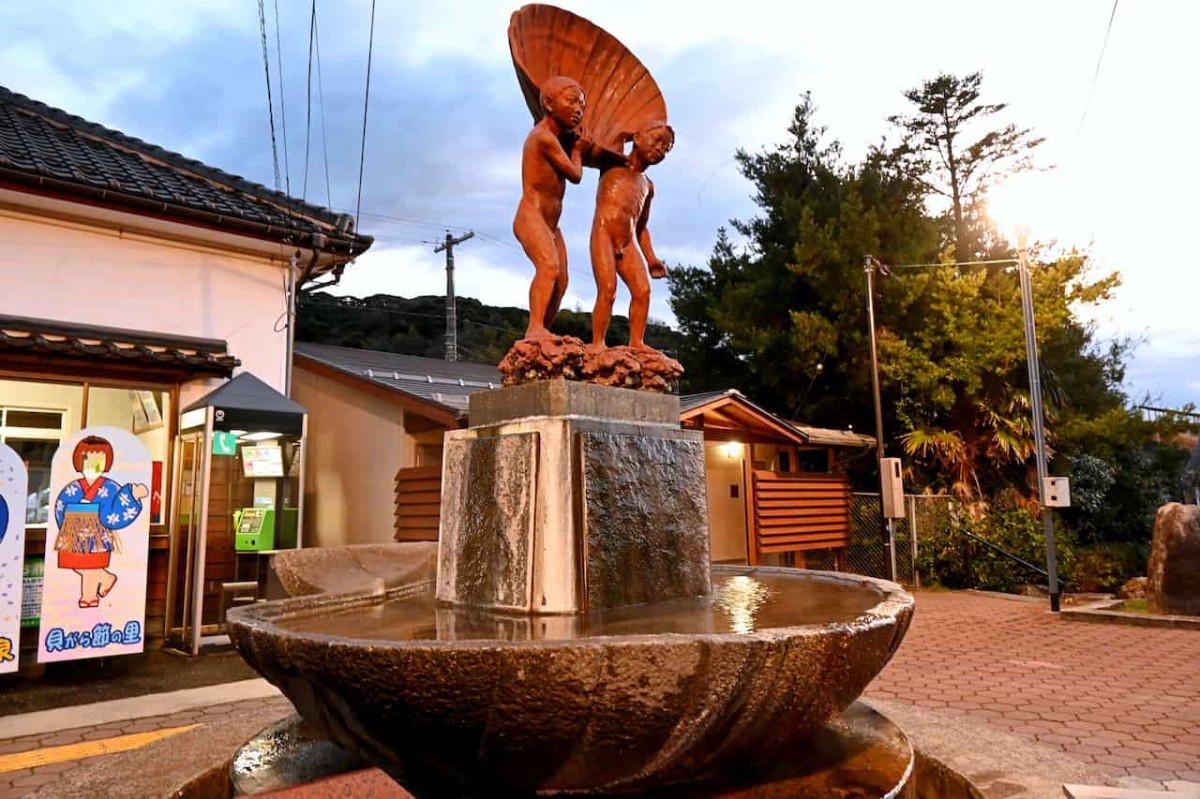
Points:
x=621 y=95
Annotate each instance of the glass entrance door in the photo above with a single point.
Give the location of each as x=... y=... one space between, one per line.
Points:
x=187 y=515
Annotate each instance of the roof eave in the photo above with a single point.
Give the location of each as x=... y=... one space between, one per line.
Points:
x=343 y=247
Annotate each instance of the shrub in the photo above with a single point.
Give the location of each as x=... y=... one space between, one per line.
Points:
x=954 y=560
x=1106 y=567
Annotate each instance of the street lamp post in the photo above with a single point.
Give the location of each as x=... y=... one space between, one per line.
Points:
x=870 y=264
x=1035 y=398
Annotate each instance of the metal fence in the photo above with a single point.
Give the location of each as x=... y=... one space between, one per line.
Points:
x=927 y=521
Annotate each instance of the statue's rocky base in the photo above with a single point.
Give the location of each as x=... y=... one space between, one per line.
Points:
x=566 y=497
x=534 y=359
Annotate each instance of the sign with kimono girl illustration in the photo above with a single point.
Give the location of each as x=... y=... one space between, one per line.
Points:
x=97 y=547
x=13 y=482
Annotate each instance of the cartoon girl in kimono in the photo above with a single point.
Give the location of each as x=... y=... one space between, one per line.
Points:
x=89 y=511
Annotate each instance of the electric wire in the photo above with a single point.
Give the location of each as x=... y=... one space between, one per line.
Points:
x=362 y=156
x=321 y=104
x=262 y=28
x=312 y=29
x=411 y=221
x=1088 y=103
x=287 y=169
x=955 y=263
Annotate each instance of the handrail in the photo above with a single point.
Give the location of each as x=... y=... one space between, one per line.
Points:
x=1005 y=553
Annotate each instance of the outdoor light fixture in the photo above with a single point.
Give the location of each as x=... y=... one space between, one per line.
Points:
x=731 y=449
x=263 y=436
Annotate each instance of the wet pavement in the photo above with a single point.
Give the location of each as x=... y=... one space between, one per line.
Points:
x=87 y=681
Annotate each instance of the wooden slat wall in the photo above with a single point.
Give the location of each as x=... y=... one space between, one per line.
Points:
x=798 y=512
x=418 y=503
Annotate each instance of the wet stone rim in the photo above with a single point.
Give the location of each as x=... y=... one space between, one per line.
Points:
x=262 y=618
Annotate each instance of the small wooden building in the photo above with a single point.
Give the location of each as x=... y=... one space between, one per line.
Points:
x=774 y=487
x=774 y=491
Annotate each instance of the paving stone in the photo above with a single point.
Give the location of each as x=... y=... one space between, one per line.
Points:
x=1060 y=740
x=34 y=780
x=57 y=768
x=1103 y=686
x=1149 y=773
x=62 y=738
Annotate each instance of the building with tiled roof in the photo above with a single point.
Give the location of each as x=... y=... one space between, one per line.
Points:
x=49 y=151
x=136 y=282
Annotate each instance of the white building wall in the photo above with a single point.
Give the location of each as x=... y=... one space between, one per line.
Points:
x=72 y=273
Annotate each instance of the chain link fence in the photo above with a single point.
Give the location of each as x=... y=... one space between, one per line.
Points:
x=927 y=522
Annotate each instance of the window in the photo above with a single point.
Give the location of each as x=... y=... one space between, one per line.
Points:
x=34 y=435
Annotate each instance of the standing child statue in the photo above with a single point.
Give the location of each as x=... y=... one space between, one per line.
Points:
x=552 y=155
x=620 y=236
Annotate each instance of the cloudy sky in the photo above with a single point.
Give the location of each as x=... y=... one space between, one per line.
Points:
x=446 y=121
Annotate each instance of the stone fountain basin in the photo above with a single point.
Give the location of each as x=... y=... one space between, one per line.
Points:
x=590 y=714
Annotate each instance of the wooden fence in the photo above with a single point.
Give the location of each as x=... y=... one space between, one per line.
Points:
x=418 y=503
x=797 y=512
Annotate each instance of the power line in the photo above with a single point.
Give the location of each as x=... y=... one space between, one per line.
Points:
x=262 y=29
x=287 y=169
x=366 y=102
x=411 y=221
x=1009 y=261
x=321 y=102
x=312 y=30
x=1087 y=105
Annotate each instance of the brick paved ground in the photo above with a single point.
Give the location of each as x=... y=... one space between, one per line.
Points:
x=1125 y=698
x=15 y=784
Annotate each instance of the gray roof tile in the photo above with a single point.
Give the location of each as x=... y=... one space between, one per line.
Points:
x=39 y=142
x=443 y=382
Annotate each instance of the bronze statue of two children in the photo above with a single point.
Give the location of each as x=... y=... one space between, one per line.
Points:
x=555 y=152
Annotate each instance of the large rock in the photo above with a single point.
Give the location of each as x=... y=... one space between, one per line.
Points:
x=1174 y=570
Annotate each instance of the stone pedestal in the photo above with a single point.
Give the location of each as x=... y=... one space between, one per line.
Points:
x=566 y=497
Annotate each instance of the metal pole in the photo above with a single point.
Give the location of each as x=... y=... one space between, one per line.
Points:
x=1035 y=398
x=291 y=326
x=912 y=536
x=869 y=264
x=451 y=309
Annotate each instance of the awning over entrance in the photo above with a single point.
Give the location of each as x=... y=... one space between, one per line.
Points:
x=247 y=403
x=49 y=344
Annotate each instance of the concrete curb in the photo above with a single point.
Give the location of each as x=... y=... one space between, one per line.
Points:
x=137 y=707
x=1103 y=612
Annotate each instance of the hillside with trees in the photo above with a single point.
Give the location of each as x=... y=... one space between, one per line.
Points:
x=417 y=326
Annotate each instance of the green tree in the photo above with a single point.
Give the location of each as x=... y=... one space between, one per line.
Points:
x=944 y=148
x=783 y=318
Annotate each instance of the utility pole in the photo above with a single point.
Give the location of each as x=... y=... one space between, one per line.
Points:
x=451 y=312
x=870 y=264
x=1035 y=399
